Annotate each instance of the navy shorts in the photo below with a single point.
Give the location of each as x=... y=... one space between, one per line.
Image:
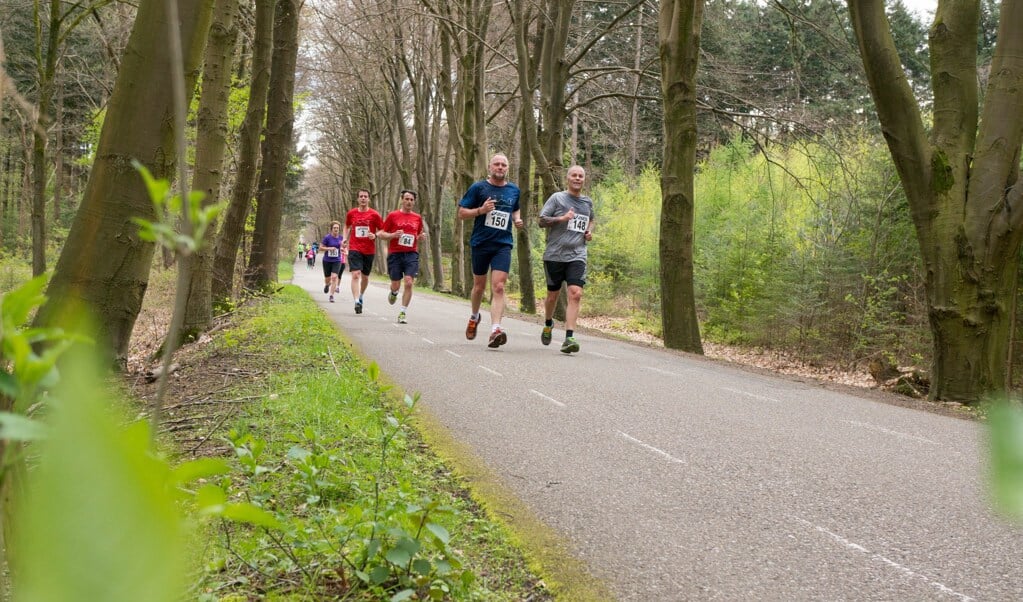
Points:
x=487 y=257
x=332 y=267
x=402 y=264
x=572 y=272
x=357 y=262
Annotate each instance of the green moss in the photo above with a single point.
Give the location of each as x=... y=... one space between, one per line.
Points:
x=942 y=178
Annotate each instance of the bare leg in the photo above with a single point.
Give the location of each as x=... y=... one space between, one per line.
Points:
x=549 y=303
x=357 y=278
x=406 y=295
x=479 y=286
x=575 y=296
x=497 y=282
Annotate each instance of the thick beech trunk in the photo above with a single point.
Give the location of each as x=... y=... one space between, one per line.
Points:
x=962 y=182
x=679 y=45
x=104 y=266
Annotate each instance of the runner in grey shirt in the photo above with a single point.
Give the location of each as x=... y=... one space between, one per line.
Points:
x=568 y=215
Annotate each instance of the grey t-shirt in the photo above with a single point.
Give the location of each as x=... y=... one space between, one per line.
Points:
x=566 y=240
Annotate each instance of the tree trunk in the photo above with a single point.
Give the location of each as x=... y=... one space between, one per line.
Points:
x=447 y=38
x=679 y=46
x=637 y=65
x=463 y=34
x=58 y=155
x=233 y=223
x=210 y=141
x=523 y=246
x=962 y=184
x=277 y=148
x=104 y=266
x=47 y=67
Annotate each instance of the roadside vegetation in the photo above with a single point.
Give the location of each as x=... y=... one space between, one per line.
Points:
x=361 y=509
x=286 y=470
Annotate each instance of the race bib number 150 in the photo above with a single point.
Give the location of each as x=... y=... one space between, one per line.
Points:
x=498 y=219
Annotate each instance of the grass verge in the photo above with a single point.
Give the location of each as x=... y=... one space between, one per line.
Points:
x=362 y=509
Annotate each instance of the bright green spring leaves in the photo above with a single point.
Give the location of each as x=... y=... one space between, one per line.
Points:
x=96 y=514
x=1007 y=457
x=99 y=521
x=25 y=372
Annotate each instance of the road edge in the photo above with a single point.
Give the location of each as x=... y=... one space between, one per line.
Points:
x=547 y=553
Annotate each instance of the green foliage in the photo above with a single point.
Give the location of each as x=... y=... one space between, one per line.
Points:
x=166 y=207
x=1006 y=431
x=99 y=521
x=13 y=273
x=330 y=454
x=623 y=256
x=810 y=248
x=28 y=355
x=356 y=524
x=101 y=514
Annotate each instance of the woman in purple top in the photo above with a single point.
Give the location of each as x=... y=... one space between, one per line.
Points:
x=333 y=259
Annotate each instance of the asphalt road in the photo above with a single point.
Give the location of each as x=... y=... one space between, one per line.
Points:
x=678 y=478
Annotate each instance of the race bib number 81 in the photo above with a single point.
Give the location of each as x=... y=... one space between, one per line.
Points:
x=406 y=240
x=498 y=219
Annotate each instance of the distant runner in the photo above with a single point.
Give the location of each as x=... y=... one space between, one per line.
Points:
x=333 y=259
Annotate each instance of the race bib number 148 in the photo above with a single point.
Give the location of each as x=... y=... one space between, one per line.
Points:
x=579 y=223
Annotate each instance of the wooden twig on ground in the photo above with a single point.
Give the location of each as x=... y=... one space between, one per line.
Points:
x=209 y=401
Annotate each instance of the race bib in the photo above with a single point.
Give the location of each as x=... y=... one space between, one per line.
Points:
x=361 y=231
x=579 y=223
x=498 y=219
x=332 y=252
x=406 y=240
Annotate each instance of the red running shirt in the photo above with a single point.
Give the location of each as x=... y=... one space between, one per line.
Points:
x=411 y=224
x=360 y=224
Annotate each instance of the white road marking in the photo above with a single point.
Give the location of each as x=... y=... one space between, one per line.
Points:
x=428 y=341
x=550 y=399
x=895 y=565
x=874 y=427
x=659 y=452
x=452 y=353
x=659 y=371
x=494 y=372
x=607 y=357
x=747 y=394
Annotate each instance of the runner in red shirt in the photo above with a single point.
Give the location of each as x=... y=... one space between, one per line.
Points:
x=403 y=228
x=361 y=226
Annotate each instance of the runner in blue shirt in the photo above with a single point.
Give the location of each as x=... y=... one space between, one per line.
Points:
x=493 y=205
